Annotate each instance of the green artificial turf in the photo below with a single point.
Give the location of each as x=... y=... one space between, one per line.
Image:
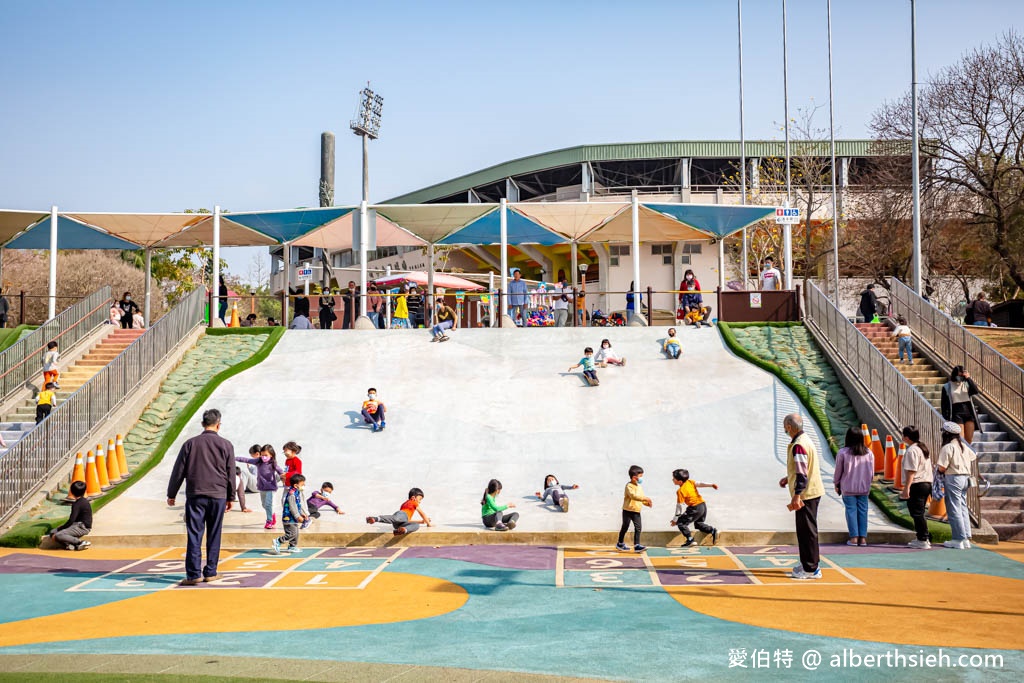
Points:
x=9 y=335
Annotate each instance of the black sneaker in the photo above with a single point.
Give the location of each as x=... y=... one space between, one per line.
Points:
x=689 y=542
x=714 y=537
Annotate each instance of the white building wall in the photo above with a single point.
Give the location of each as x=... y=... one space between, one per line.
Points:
x=658 y=275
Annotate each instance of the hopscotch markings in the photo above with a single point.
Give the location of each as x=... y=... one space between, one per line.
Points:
x=289 y=570
x=842 y=571
x=746 y=570
x=581 y=567
x=559 y=567
x=655 y=578
x=381 y=568
x=82 y=586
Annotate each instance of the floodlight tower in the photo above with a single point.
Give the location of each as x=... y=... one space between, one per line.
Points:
x=367 y=125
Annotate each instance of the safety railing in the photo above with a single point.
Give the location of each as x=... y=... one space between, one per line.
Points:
x=896 y=396
x=998 y=378
x=23 y=359
x=33 y=459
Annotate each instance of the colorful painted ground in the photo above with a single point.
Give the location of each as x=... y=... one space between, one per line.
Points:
x=663 y=614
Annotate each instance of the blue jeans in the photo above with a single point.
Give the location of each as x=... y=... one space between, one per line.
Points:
x=981 y=323
x=856 y=515
x=442 y=326
x=673 y=350
x=267 y=499
x=518 y=309
x=956 y=506
x=203 y=514
x=907 y=344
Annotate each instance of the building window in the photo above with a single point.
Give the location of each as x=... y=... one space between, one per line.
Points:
x=615 y=251
x=664 y=251
x=685 y=259
x=692 y=247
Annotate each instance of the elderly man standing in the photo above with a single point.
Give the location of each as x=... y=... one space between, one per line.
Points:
x=805 y=489
x=207 y=463
x=518 y=295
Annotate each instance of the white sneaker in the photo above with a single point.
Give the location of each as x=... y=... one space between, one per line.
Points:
x=967 y=544
x=919 y=545
x=800 y=574
x=955 y=545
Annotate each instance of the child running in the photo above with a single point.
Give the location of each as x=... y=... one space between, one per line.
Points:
x=672 y=348
x=45 y=402
x=605 y=356
x=292 y=514
x=267 y=471
x=292 y=463
x=587 y=362
x=374 y=411
x=322 y=498
x=556 y=491
x=690 y=507
x=631 y=505
x=491 y=511
x=402 y=520
x=50 y=360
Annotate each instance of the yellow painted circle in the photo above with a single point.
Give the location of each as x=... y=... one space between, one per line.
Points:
x=893 y=606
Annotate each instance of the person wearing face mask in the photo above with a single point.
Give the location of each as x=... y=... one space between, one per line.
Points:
x=771 y=278
x=128 y=310
x=632 y=502
x=267 y=473
x=374 y=411
x=689 y=295
x=958 y=404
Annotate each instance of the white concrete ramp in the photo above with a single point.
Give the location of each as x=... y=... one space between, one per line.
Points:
x=499 y=403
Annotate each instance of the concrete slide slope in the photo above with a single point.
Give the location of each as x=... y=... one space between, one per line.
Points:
x=500 y=404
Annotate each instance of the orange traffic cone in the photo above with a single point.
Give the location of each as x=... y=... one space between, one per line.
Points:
x=866 y=434
x=113 y=470
x=78 y=474
x=122 y=459
x=937 y=508
x=876 y=448
x=101 y=467
x=92 y=481
x=235 y=322
x=897 y=484
x=890 y=460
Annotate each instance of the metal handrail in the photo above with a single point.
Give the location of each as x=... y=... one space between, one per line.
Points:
x=900 y=401
x=33 y=459
x=997 y=377
x=23 y=360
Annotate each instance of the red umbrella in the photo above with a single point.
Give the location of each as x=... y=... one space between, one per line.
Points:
x=420 y=278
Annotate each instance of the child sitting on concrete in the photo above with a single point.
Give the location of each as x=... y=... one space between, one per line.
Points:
x=401 y=521
x=374 y=412
x=698 y=316
x=587 y=363
x=672 y=348
x=69 y=534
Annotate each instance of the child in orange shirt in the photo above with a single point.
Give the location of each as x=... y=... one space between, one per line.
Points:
x=374 y=411
x=690 y=507
x=402 y=520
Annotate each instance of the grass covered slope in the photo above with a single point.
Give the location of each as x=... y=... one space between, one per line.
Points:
x=219 y=355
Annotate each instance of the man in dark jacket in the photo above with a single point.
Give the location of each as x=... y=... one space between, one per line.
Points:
x=207 y=463
x=868 y=304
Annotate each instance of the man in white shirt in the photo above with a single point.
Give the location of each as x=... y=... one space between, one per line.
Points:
x=562 y=299
x=771 y=278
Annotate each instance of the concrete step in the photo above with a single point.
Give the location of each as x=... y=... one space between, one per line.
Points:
x=987 y=468
x=16 y=426
x=990 y=436
x=1002 y=456
x=1009 y=532
x=1003 y=516
x=1006 y=479
x=995 y=446
x=994 y=502
x=1010 y=490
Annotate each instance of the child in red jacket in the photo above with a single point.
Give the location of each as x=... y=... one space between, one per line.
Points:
x=291 y=461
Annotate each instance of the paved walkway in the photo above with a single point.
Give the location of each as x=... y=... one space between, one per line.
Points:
x=662 y=615
x=499 y=403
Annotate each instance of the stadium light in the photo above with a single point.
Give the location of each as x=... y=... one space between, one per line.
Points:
x=366 y=125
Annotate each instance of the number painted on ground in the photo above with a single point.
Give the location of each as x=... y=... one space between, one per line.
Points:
x=606 y=577
x=603 y=563
x=232 y=579
x=703 y=577
x=692 y=562
x=341 y=564
x=163 y=567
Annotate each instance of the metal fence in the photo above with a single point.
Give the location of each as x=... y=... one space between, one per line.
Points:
x=899 y=400
x=998 y=378
x=23 y=359
x=32 y=460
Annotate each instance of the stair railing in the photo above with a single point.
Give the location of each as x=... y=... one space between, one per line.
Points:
x=33 y=459
x=998 y=378
x=901 y=402
x=22 y=360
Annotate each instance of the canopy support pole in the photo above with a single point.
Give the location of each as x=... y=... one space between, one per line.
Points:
x=430 y=286
x=743 y=146
x=575 y=260
x=787 y=229
x=215 y=273
x=287 y=255
x=363 y=322
x=51 y=302
x=149 y=287
x=721 y=262
x=638 y=316
x=503 y=299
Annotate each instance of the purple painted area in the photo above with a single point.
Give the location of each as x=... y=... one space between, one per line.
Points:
x=237 y=580
x=604 y=563
x=696 y=578
x=767 y=550
x=507 y=556
x=23 y=563
x=843 y=549
x=356 y=553
x=153 y=567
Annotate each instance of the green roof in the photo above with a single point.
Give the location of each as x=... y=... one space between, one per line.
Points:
x=700 y=149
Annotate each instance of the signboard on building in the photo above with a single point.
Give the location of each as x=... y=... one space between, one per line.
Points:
x=305 y=274
x=785 y=216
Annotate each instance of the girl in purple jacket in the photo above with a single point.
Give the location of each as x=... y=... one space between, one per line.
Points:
x=267 y=473
x=855 y=467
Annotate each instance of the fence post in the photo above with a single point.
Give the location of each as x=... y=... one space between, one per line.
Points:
x=650 y=306
x=501 y=318
x=21 y=315
x=575 y=294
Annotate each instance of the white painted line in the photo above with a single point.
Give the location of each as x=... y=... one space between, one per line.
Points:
x=120 y=570
x=741 y=565
x=559 y=567
x=381 y=568
x=293 y=567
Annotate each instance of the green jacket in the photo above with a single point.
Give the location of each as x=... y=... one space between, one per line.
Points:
x=490 y=507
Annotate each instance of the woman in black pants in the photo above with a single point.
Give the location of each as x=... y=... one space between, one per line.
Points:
x=128 y=309
x=917 y=485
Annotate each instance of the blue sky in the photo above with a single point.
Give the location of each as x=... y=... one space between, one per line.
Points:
x=148 y=106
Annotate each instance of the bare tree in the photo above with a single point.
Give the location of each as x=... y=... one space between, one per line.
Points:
x=972 y=119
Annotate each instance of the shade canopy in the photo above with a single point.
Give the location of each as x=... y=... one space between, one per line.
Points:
x=143 y=229
x=717 y=220
x=519 y=228
x=200 y=234
x=420 y=278
x=433 y=222
x=71 y=234
x=14 y=222
x=654 y=227
x=571 y=219
x=338 y=235
x=285 y=226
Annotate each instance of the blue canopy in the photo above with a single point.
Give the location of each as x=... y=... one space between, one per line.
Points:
x=717 y=219
x=286 y=226
x=71 y=234
x=520 y=229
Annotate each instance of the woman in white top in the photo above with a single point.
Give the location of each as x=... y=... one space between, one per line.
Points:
x=917 y=485
x=902 y=333
x=954 y=464
x=606 y=356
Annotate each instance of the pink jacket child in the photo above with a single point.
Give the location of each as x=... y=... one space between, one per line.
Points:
x=855 y=468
